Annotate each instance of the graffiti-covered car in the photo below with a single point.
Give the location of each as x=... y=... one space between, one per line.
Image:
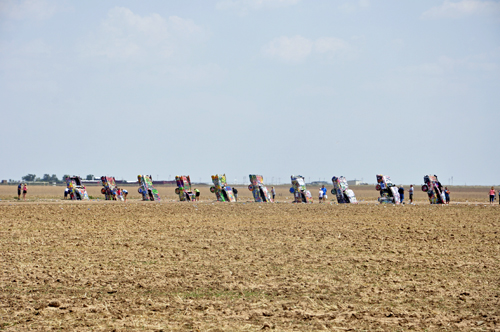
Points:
x=222 y=191
x=109 y=188
x=299 y=190
x=259 y=191
x=341 y=191
x=388 y=190
x=77 y=190
x=146 y=189
x=434 y=189
x=184 y=188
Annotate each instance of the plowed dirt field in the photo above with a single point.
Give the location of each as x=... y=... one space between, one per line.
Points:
x=91 y=266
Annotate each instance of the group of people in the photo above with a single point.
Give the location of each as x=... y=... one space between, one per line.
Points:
x=109 y=194
x=118 y=193
x=401 y=191
x=22 y=188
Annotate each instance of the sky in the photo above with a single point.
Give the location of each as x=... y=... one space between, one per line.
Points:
x=273 y=87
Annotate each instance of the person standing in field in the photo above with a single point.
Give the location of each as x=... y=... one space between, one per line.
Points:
x=324 y=193
x=197 y=194
x=235 y=192
x=119 y=193
x=125 y=193
x=320 y=198
x=25 y=191
x=401 y=192
x=492 y=195
x=273 y=192
x=410 y=191
x=447 y=195
x=19 y=189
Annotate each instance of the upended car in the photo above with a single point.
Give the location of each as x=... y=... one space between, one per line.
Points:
x=259 y=191
x=184 y=188
x=434 y=189
x=388 y=190
x=109 y=188
x=222 y=191
x=299 y=190
x=146 y=189
x=77 y=190
x=342 y=192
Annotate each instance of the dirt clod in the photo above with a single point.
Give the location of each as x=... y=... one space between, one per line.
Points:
x=54 y=304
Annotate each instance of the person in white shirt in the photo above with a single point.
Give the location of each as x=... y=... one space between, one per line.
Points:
x=410 y=191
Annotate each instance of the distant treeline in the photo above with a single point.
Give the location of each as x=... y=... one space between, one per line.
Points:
x=50 y=178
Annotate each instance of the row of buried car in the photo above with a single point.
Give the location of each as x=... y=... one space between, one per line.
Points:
x=224 y=193
x=340 y=190
x=389 y=191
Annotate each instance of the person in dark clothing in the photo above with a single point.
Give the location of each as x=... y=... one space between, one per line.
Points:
x=401 y=192
x=235 y=192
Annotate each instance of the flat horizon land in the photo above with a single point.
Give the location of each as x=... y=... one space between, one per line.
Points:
x=210 y=266
x=364 y=194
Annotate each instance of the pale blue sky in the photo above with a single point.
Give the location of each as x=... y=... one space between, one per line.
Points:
x=272 y=87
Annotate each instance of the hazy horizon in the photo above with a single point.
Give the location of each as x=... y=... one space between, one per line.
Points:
x=271 y=180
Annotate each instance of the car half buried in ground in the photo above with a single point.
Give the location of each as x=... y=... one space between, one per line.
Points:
x=299 y=190
x=388 y=190
x=341 y=191
x=222 y=191
x=434 y=189
x=146 y=189
x=77 y=190
x=184 y=188
x=259 y=191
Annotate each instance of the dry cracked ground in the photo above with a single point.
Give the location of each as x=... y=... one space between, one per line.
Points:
x=248 y=266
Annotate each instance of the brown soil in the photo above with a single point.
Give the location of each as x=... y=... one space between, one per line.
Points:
x=246 y=266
